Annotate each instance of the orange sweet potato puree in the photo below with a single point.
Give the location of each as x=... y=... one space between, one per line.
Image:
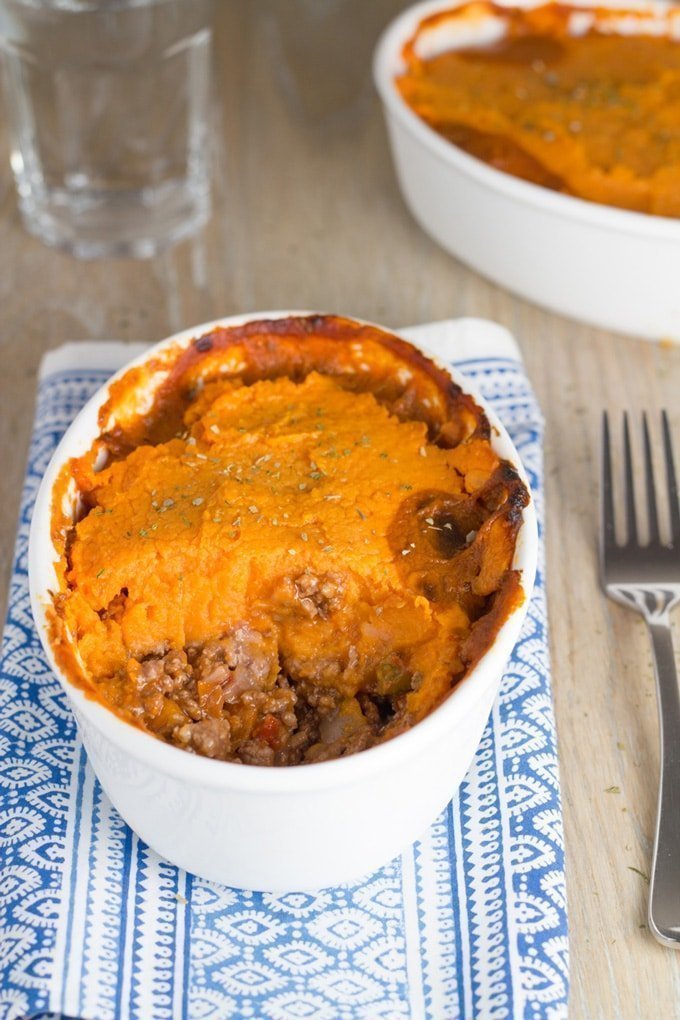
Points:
x=298 y=568
x=595 y=115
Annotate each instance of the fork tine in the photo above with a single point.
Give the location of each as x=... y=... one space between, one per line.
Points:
x=629 y=495
x=652 y=515
x=608 y=533
x=672 y=483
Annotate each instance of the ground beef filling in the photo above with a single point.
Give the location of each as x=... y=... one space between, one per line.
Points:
x=220 y=701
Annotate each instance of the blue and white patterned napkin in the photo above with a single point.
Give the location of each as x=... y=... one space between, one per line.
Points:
x=470 y=922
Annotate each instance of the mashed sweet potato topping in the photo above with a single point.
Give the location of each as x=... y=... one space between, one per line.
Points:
x=294 y=552
x=561 y=98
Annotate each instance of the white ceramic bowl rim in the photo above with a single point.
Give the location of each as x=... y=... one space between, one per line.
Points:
x=251 y=778
x=388 y=62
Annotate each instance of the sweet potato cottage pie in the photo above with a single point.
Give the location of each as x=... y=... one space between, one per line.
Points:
x=293 y=538
x=583 y=100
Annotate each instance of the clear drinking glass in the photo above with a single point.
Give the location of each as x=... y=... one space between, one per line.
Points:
x=108 y=103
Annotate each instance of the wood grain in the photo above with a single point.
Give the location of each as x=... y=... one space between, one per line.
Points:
x=308 y=215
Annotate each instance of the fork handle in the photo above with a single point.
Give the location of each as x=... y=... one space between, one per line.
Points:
x=664 y=899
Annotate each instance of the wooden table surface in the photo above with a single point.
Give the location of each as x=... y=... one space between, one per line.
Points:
x=308 y=215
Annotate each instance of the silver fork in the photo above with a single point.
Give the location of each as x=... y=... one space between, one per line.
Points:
x=647 y=578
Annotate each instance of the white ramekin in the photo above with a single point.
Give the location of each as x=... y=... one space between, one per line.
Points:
x=602 y=265
x=278 y=829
